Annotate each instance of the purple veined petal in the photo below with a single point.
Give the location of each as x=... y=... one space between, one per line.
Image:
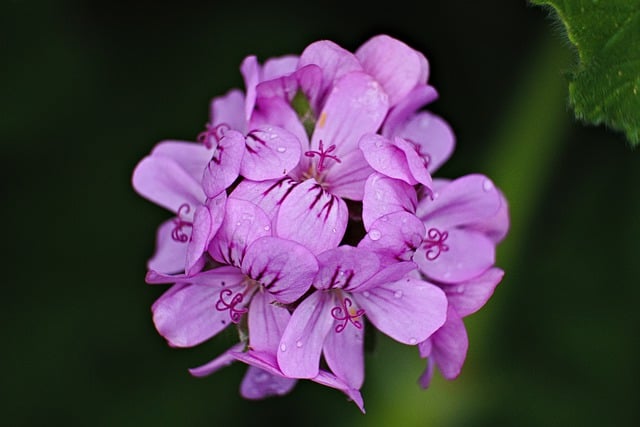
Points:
x=229 y=110
x=432 y=135
x=344 y=352
x=267 y=322
x=345 y=267
x=222 y=361
x=383 y=196
x=465 y=201
x=191 y=157
x=278 y=67
x=329 y=380
x=221 y=277
x=259 y=384
x=285 y=268
x=419 y=96
x=206 y=223
x=332 y=60
x=301 y=343
x=395 y=158
x=450 y=344
x=224 y=166
x=277 y=112
x=186 y=315
x=162 y=181
x=468 y=297
x=408 y=310
x=271 y=152
x=347 y=178
x=170 y=253
x=388 y=274
x=454 y=255
x=250 y=70
x=496 y=226
x=307 y=78
x=243 y=223
x=311 y=216
x=356 y=105
x=266 y=194
x=396 y=235
x=395 y=65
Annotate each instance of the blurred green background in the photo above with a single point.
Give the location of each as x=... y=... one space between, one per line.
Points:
x=87 y=89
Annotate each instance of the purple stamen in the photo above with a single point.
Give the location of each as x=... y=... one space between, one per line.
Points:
x=222 y=305
x=435 y=243
x=216 y=132
x=323 y=155
x=343 y=314
x=177 y=233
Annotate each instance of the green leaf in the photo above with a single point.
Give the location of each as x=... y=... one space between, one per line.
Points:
x=604 y=85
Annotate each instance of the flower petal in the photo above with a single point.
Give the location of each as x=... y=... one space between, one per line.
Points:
x=206 y=223
x=275 y=111
x=169 y=256
x=450 y=344
x=461 y=255
x=280 y=66
x=259 y=384
x=271 y=152
x=301 y=344
x=311 y=216
x=229 y=110
x=384 y=195
x=396 y=235
x=224 y=360
x=224 y=166
x=266 y=194
x=468 y=297
x=250 y=70
x=267 y=322
x=408 y=310
x=356 y=105
x=395 y=65
x=328 y=379
x=347 y=178
x=345 y=267
x=191 y=157
x=285 y=268
x=162 y=180
x=419 y=96
x=243 y=223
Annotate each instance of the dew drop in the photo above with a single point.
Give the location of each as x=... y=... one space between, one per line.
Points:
x=487 y=185
x=378 y=144
x=298 y=343
x=375 y=235
x=397 y=294
x=283 y=347
x=238 y=223
x=334 y=230
x=281 y=149
x=435 y=195
x=267 y=228
x=366 y=294
x=413 y=341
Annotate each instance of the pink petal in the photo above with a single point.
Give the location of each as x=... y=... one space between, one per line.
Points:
x=224 y=166
x=495 y=227
x=465 y=201
x=465 y=255
x=259 y=384
x=224 y=360
x=163 y=181
x=250 y=70
x=419 y=96
x=395 y=65
x=169 y=256
x=328 y=379
x=271 y=152
x=243 y=223
x=408 y=310
x=283 y=267
x=468 y=297
x=191 y=157
x=357 y=105
x=396 y=235
x=266 y=323
x=311 y=216
x=266 y=194
x=229 y=110
x=206 y=223
x=384 y=195
x=347 y=178
x=278 y=67
x=450 y=344
x=301 y=344
x=345 y=267
x=277 y=112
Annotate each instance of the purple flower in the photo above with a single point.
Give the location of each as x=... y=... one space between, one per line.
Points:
x=306 y=212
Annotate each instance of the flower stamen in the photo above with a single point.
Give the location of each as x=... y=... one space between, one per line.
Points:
x=435 y=243
x=222 y=305
x=347 y=314
x=323 y=155
x=177 y=233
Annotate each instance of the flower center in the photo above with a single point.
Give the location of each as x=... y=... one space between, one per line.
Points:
x=212 y=134
x=180 y=222
x=346 y=313
x=234 y=312
x=434 y=244
x=323 y=155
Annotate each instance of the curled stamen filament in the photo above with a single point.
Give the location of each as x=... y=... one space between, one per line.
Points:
x=323 y=155
x=435 y=243
x=177 y=233
x=222 y=305
x=345 y=314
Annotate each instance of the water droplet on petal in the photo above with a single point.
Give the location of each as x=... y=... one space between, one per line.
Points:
x=298 y=343
x=334 y=230
x=436 y=195
x=413 y=341
x=487 y=185
x=397 y=294
x=238 y=223
x=283 y=347
x=375 y=234
x=267 y=228
x=281 y=149
x=366 y=294
x=378 y=144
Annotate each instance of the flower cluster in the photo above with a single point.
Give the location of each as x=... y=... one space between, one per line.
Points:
x=306 y=212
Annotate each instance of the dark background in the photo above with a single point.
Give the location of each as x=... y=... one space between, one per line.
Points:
x=87 y=89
